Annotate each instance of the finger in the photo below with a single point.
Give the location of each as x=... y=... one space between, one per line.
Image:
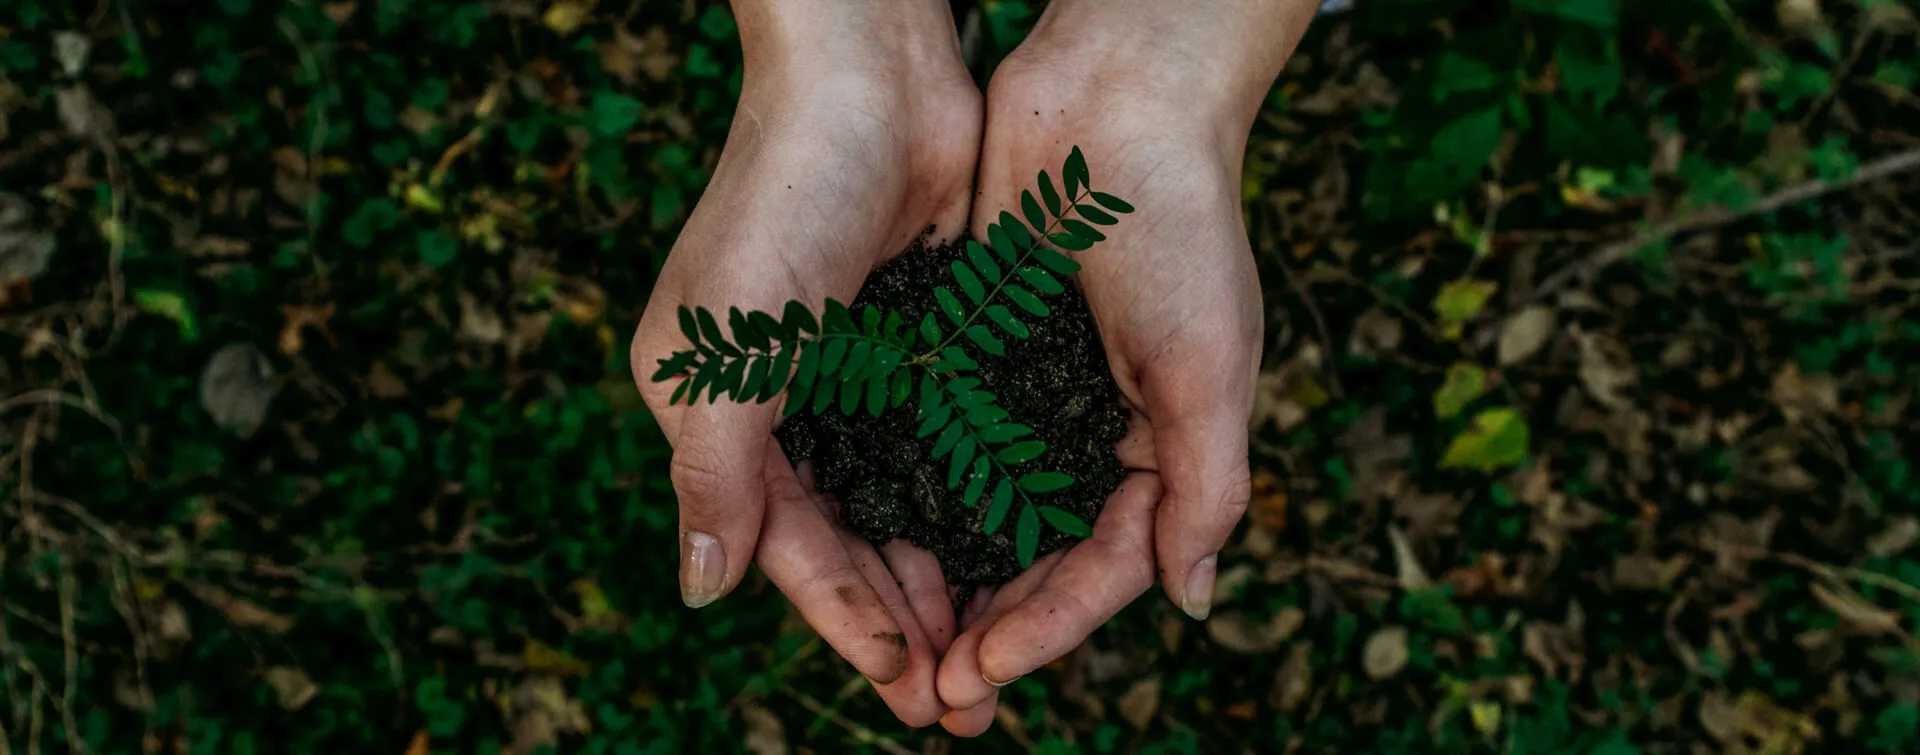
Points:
x=917 y=573
x=1136 y=450
x=973 y=721
x=1096 y=579
x=717 y=458
x=961 y=684
x=912 y=696
x=802 y=555
x=1200 y=442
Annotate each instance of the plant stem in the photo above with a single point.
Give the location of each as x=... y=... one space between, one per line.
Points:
x=931 y=356
x=982 y=443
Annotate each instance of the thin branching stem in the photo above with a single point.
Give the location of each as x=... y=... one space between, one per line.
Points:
x=986 y=301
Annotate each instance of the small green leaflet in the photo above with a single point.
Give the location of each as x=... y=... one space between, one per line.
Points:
x=1112 y=203
x=1041 y=281
x=1498 y=438
x=1075 y=172
x=1052 y=197
x=1026 y=536
x=1065 y=522
x=980 y=335
x=1031 y=208
x=930 y=330
x=978 y=255
x=1027 y=301
x=957 y=464
x=969 y=282
x=975 y=486
x=950 y=304
x=1044 y=482
x=1007 y=322
x=836 y=350
x=1020 y=452
x=799 y=319
x=948 y=438
x=1002 y=501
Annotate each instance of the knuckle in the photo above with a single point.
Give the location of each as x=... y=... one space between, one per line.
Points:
x=699 y=476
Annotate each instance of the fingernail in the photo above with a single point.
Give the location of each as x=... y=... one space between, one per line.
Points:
x=1198 y=600
x=997 y=685
x=703 y=569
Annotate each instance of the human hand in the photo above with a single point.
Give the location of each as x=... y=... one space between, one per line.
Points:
x=857 y=129
x=1160 y=99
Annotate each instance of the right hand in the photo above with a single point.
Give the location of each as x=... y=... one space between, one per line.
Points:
x=858 y=128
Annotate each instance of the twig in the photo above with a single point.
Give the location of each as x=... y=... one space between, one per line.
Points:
x=1835 y=573
x=1607 y=256
x=1319 y=322
x=861 y=734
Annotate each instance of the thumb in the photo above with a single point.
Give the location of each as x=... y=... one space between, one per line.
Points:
x=719 y=450
x=1200 y=444
x=718 y=455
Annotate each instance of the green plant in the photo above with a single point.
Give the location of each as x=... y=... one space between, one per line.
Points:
x=836 y=361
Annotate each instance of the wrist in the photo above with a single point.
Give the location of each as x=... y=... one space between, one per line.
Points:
x=1213 y=58
x=781 y=39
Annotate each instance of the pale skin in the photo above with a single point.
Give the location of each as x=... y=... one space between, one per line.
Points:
x=858 y=128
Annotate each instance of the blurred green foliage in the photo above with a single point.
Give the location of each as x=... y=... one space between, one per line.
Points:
x=419 y=508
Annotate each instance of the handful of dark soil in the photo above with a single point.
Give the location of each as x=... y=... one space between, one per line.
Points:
x=885 y=477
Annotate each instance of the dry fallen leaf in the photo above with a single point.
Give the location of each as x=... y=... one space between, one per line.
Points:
x=292 y=686
x=1524 y=333
x=420 y=745
x=1606 y=370
x=1864 y=617
x=1896 y=538
x=1410 y=575
x=242 y=612
x=1386 y=652
x=540 y=711
x=1294 y=681
x=1141 y=701
x=765 y=735
x=236 y=388
x=1235 y=631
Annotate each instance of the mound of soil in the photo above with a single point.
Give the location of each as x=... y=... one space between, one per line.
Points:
x=886 y=479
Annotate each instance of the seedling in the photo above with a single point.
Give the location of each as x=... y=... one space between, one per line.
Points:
x=871 y=360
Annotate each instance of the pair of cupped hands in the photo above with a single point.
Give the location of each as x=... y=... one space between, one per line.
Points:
x=858 y=128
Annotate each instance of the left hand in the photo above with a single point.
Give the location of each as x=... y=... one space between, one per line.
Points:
x=1161 y=101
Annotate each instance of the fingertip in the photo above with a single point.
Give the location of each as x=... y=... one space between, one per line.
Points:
x=971 y=722
x=961 y=685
